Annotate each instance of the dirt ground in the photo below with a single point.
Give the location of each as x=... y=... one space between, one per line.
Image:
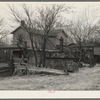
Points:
x=85 y=79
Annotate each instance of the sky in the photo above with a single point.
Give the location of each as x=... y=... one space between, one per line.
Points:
x=92 y=7
x=78 y=7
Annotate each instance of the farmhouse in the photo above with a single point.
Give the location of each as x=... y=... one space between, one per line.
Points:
x=53 y=40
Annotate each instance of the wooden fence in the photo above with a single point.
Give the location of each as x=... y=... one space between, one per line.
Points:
x=5 y=71
x=4 y=55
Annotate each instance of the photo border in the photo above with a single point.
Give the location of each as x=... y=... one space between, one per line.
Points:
x=98 y=98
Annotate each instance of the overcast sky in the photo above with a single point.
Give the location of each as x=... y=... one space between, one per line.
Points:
x=79 y=7
x=93 y=8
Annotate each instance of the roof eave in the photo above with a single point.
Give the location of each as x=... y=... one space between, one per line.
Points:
x=15 y=30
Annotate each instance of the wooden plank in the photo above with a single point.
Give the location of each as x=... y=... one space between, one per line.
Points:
x=3 y=71
x=47 y=70
x=3 y=68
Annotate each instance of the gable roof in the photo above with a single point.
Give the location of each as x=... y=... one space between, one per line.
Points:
x=53 y=33
x=16 y=29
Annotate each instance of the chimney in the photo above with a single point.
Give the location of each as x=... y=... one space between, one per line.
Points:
x=23 y=23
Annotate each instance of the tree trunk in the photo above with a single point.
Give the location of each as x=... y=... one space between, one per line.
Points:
x=34 y=51
x=80 y=53
x=42 y=57
x=23 y=51
x=44 y=47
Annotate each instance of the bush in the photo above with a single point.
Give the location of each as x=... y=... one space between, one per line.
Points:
x=73 y=67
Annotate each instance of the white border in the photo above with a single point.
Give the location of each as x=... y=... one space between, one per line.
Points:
x=46 y=94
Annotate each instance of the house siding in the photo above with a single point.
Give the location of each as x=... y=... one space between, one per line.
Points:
x=24 y=34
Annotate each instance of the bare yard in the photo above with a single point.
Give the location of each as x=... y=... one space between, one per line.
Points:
x=85 y=79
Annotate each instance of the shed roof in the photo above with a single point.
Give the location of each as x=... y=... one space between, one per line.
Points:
x=8 y=47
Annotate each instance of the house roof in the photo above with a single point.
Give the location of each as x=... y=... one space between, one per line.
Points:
x=16 y=29
x=53 y=33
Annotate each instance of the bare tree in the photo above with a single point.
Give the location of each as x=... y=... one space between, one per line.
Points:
x=3 y=32
x=45 y=19
x=29 y=25
x=83 y=30
x=49 y=18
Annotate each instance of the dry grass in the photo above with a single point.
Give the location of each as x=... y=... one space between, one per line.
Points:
x=85 y=79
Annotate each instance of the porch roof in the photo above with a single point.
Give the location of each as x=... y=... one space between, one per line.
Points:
x=8 y=47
